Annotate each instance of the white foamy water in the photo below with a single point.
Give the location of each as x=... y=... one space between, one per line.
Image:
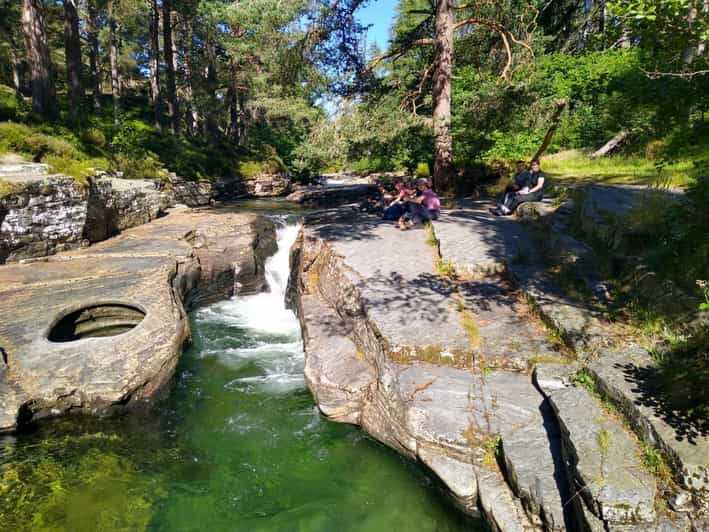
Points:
x=271 y=329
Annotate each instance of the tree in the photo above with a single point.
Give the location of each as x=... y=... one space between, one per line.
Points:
x=92 y=30
x=40 y=62
x=113 y=59
x=154 y=51
x=170 y=58
x=72 y=48
x=436 y=26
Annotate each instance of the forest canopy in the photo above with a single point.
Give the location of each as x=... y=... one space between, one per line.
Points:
x=198 y=86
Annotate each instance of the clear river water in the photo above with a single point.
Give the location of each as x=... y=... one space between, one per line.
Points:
x=237 y=445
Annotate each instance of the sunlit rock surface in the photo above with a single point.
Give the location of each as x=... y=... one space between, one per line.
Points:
x=101 y=329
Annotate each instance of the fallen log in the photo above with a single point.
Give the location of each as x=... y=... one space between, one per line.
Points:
x=610 y=145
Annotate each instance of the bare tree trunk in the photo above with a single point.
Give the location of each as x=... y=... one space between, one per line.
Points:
x=555 y=119
x=443 y=169
x=43 y=91
x=113 y=56
x=94 y=53
x=192 y=115
x=233 y=100
x=211 y=82
x=72 y=51
x=16 y=67
x=172 y=102
x=610 y=145
x=154 y=50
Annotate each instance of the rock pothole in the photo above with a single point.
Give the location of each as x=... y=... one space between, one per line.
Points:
x=96 y=321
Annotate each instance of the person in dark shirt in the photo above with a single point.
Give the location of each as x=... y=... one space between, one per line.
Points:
x=533 y=190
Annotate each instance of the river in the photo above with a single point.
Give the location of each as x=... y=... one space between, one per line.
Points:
x=237 y=445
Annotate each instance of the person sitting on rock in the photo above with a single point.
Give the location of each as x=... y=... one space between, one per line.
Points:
x=532 y=191
x=519 y=182
x=424 y=206
x=397 y=207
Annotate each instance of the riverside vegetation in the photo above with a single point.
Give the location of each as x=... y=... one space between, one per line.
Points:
x=218 y=89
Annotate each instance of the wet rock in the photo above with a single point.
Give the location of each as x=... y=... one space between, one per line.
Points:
x=603 y=461
x=101 y=329
x=332 y=195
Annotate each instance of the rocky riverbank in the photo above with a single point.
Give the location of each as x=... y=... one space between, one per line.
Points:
x=42 y=214
x=438 y=347
x=100 y=330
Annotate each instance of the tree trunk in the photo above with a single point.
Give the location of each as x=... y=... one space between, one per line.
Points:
x=233 y=100
x=443 y=169
x=192 y=115
x=16 y=68
x=555 y=119
x=153 y=51
x=92 y=31
x=113 y=56
x=43 y=91
x=72 y=51
x=211 y=82
x=610 y=145
x=172 y=102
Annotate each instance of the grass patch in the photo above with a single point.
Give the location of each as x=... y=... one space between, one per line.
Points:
x=604 y=442
x=575 y=165
x=433 y=354
x=470 y=327
x=431 y=238
x=7 y=188
x=583 y=379
x=654 y=461
x=445 y=268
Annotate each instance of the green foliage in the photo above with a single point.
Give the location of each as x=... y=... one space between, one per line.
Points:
x=583 y=379
x=654 y=461
x=422 y=170
x=9 y=106
x=604 y=441
x=251 y=169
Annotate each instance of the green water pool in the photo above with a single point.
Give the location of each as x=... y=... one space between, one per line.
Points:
x=238 y=445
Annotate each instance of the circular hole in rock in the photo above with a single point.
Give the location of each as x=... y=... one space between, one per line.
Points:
x=96 y=322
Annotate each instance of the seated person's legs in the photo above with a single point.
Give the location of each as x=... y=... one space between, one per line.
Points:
x=522 y=198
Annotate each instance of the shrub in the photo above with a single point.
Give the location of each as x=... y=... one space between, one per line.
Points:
x=25 y=140
x=80 y=170
x=146 y=167
x=250 y=169
x=93 y=136
x=9 y=105
x=422 y=170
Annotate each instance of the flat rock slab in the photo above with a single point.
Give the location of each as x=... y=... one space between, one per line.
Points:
x=479 y=243
x=356 y=276
x=141 y=280
x=394 y=273
x=603 y=460
x=631 y=378
x=580 y=328
x=509 y=337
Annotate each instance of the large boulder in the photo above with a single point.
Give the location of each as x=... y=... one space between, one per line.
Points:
x=268 y=185
x=44 y=214
x=100 y=330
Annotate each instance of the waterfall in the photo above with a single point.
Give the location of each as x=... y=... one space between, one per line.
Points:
x=269 y=331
